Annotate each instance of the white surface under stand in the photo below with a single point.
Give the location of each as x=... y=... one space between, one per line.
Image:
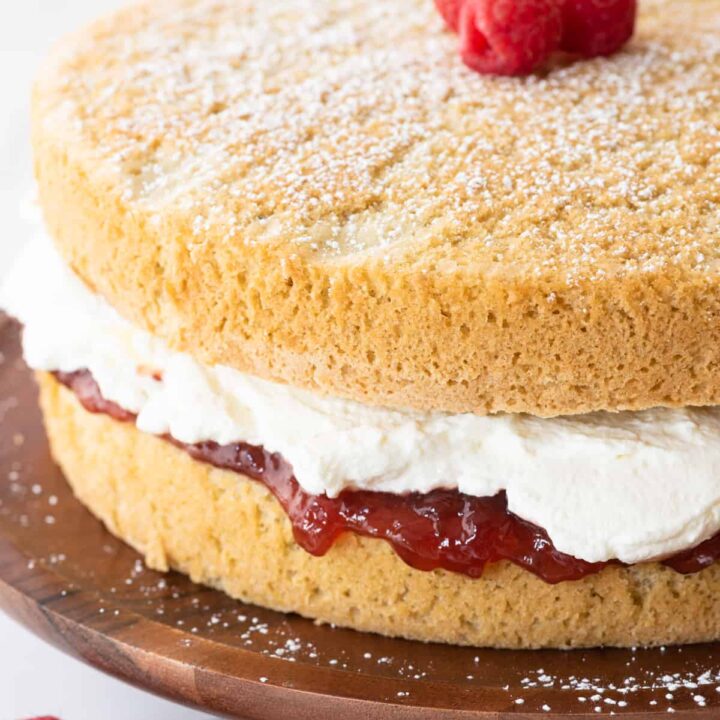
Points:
x=36 y=679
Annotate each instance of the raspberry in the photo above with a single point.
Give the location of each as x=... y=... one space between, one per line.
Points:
x=450 y=10
x=597 y=27
x=509 y=37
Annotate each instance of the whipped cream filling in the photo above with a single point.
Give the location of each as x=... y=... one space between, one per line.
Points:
x=631 y=486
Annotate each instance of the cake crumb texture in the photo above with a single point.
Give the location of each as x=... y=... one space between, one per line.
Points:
x=322 y=194
x=228 y=531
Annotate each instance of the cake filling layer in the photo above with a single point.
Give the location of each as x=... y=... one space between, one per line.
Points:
x=440 y=529
x=626 y=486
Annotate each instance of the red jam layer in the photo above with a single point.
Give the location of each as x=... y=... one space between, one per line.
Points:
x=441 y=529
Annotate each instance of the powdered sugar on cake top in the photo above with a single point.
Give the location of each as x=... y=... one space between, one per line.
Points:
x=351 y=128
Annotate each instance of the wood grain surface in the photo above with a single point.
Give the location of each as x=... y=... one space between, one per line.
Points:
x=68 y=580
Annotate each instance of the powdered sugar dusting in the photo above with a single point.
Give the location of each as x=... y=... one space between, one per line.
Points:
x=349 y=128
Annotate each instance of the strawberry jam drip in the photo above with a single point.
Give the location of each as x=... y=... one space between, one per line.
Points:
x=440 y=529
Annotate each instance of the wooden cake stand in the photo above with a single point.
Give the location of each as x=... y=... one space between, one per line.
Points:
x=71 y=582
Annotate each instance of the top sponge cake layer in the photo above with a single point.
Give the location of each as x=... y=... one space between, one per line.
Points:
x=319 y=192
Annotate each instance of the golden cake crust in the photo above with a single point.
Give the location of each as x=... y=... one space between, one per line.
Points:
x=321 y=194
x=227 y=531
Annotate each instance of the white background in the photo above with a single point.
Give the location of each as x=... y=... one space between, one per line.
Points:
x=36 y=679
